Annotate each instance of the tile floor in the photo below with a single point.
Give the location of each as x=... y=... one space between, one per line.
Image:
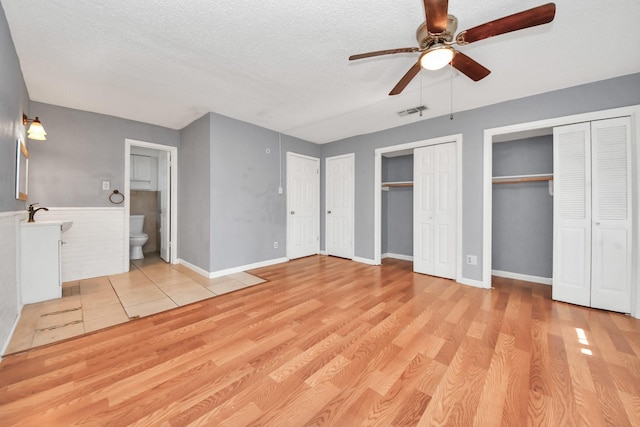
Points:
x=151 y=286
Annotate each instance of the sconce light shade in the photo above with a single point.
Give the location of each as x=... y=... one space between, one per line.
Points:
x=436 y=57
x=36 y=130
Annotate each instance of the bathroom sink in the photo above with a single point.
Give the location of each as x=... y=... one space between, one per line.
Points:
x=64 y=225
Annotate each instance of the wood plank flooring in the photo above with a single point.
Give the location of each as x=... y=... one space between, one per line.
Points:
x=333 y=342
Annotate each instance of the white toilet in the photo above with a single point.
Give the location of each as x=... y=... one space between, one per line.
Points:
x=136 y=237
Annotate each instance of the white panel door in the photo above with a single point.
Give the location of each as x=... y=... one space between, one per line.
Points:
x=303 y=205
x=164 y=210
x=339 y=201
x=611 y=215
x=434 y=206
x=572 y=214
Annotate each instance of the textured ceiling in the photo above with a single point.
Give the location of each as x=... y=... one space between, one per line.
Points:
x=282 y=64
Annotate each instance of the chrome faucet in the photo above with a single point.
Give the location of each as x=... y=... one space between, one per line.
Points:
x=32 y=212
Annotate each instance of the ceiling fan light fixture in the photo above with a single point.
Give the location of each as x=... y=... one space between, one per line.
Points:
x=436 y=57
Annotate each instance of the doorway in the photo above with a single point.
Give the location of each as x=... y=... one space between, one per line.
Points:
x=151 y=176
x=409 y=148
x=303 y=205
x=521 y=130
x=339 y=202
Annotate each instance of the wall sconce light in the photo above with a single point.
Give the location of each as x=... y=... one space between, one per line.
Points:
x=36 y=130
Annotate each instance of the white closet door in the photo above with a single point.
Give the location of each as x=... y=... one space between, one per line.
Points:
x=434 y=212
x=340 y=205
x=572 y=214
x=611 y=206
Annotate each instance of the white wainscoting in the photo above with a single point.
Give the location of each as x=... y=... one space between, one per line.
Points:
x=10 y=306
x=94 y=244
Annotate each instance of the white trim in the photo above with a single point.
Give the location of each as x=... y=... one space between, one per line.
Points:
x=324 y=253
x=193 y=267
x=523 y=277
x=173 y=151
x=471 y=282
x=12 y=213
x=227 y=271
x=377 y=197
x=352 y=213
x=365 y=260
x=397 y=256
x=13 y=328
x=632 y=111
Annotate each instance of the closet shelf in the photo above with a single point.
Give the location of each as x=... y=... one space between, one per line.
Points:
x=514 y=179
x=397 y=184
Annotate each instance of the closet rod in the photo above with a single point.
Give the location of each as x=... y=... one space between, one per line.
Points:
x=521 y=178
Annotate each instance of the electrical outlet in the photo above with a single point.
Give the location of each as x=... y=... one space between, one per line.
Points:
x=472 y=260
x=275 y=245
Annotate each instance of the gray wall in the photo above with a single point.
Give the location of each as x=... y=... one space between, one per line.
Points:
x=82 y=150
x=397 y=207
x=14 y=100
x=612 y=93
x=523 y=213
x=248 y=214
x=194 y=196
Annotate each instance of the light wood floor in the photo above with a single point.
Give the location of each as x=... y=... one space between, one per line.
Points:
x=333 y=342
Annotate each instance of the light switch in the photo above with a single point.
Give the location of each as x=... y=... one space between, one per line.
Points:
x=106 y=185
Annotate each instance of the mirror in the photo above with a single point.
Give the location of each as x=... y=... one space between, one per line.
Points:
x=22 y=171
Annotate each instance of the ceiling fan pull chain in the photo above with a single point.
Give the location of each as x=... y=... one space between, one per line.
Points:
x=421 y=93
x=451 y=88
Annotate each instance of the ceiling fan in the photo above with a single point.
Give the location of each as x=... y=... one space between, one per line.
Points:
x=435 y=40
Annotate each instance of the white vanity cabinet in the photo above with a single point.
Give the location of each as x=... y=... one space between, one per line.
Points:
x=40 y=244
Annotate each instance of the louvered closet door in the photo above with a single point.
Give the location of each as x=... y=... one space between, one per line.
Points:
x=611 y=205
x=572 y=214
x=592 y=214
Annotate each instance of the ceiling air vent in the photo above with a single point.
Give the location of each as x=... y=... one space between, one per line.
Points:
x=413 y=110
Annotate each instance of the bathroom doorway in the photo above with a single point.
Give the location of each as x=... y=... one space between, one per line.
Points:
x=151 y=190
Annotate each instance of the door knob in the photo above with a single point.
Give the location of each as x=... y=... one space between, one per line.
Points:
x=328 y=212
x=292 y=212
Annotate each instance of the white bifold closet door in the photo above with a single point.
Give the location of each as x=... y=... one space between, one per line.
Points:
x=434 y=210
x=592 y=214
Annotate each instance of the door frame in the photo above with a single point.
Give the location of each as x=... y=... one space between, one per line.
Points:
x=352 y=192
x=377 y=195
x=288 y=207
x=173 y=195
x=497 y=134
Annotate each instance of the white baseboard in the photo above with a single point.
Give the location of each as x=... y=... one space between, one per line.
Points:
x=471 y=282
x=200 y=271
x=397 y=256
x=323 y=252
x=364 y=260
x=227 y=271
x=524 y=277
x=13 y=330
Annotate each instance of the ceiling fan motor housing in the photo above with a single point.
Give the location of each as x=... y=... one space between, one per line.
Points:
x=427 y=39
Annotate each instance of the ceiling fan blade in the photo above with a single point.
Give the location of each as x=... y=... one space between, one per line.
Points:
x=404 y=81
x=518 y=21
x=469 y=67
x=436 y=15
x=384 y=52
